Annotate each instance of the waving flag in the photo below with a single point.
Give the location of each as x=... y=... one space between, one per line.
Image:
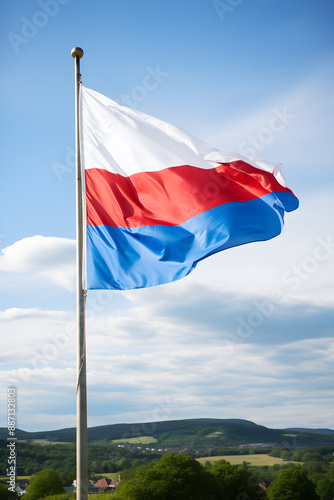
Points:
x=159 y=200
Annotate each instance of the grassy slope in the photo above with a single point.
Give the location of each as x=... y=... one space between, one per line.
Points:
x=253 y=460
x=136 y=440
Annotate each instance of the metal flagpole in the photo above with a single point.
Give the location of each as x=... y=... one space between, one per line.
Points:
x=81 y=438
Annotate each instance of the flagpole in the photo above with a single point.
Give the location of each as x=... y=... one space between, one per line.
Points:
x=81 y=436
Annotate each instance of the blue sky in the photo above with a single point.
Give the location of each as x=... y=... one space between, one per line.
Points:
x=249 y=334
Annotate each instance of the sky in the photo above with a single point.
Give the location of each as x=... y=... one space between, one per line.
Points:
x=249 y=333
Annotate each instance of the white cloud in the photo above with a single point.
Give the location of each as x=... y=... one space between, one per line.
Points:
x=19 y=313
x=210 y=381
x=45 y=397
x=176 y=369
x=36 y=337
x=50 y=257
x=295 y=129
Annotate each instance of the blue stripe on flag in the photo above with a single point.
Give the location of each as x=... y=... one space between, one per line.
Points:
x=120 y=258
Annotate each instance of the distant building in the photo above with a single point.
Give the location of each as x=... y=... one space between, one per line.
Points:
x=257 y=445
x=113 y=484
x=102 y=483
x=107 y=483
x=70 y=489
x=20 y=492
x=91 y=487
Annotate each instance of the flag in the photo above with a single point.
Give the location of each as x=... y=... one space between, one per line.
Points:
x=159 y=200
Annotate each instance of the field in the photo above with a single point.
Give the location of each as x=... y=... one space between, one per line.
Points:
x=111 y=475
x=18 y=477
x=41 y=441
x=136 y=440
x=45 y=441
x=214 y=434
x=253 y=460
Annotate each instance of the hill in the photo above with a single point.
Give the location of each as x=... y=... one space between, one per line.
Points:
x=310 y=431
x=192 y=433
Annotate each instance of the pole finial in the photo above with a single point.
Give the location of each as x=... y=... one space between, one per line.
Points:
x=77 y=52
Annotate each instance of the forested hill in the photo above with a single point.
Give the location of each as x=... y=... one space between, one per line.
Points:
x=213 y=432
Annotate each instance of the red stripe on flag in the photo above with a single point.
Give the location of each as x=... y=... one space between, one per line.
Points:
x=173 y=195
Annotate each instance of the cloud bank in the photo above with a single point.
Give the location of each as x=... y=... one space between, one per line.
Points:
x=49 y=257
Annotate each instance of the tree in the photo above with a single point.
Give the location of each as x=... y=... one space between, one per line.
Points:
x=234 y=481
x=286 y=455
x=330 y=472
x=68 y=477
x=46 y=482
x=312 y=467
x=5 y=493
x=297 y=455
x=292 y=483
x=314 y=457
x=275 y=452
x=176 y=477
x=325 y=488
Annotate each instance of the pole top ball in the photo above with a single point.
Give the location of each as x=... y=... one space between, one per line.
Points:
x=77 y=52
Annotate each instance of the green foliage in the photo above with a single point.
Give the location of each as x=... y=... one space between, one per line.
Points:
x=292 y=483
x=311 y=457
x=313 y=467
x=63 y=496
x=46 y=482
x=276 y=452
x=180 y=477
x=33 y=457
x=325 y=488
x=330 y=472
x=297 y=455
x=5 y=493
x=286 y=455
x=68 y=477
x=208 y=436
x=325 y=483
x=102 y=458
x=173 y=477
x=234 y=481
x=106 y=496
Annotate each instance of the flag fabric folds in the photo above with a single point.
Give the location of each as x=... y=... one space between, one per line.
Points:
x=159 y=200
